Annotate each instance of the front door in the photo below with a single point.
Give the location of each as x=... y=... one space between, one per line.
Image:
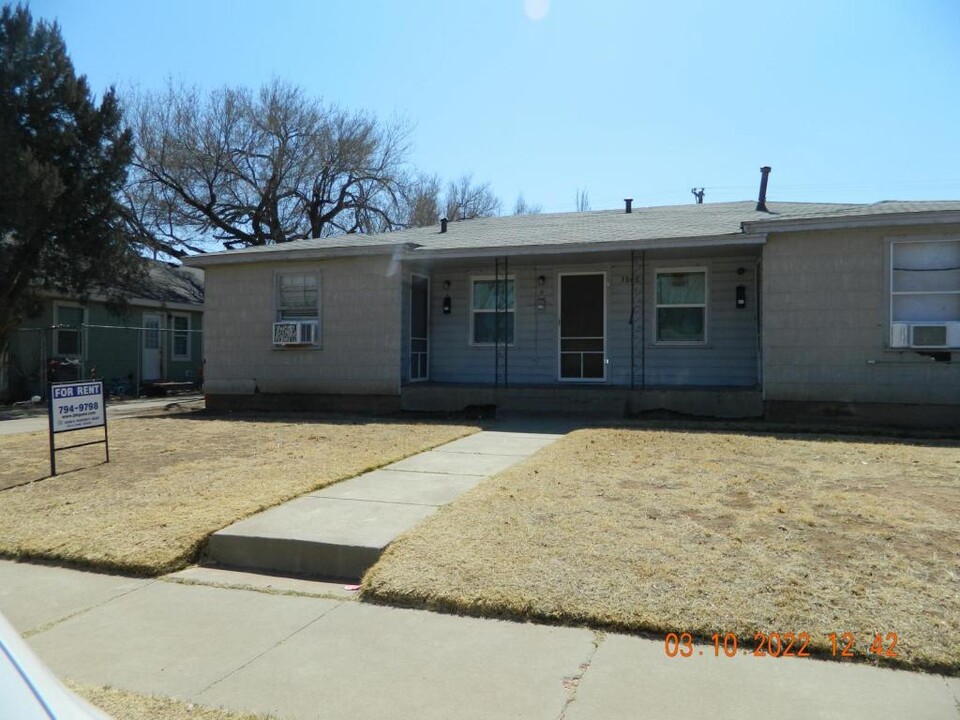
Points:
x=419 y=328
x=582 y=327
x=151 y=352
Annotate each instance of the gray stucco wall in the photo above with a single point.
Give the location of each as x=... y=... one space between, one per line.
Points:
x=360 y=328
x=825 y=323
x=729 y=358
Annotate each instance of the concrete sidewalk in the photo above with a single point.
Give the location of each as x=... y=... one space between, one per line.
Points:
x=324 y=655
x=13 y=422
x=341 y=530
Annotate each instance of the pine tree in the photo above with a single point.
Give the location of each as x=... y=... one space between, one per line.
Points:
x=62 y=164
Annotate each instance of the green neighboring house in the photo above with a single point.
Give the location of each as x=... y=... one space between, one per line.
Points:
x=156 y=338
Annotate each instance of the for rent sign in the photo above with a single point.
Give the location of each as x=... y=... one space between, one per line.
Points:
x=75 y=406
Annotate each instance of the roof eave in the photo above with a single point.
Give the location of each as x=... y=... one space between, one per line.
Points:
x=567 y=248
x=301 y=254
x=286 y=255
x=901 y=219
x=132 y=301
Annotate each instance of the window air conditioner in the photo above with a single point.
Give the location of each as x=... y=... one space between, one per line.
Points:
x=935 y=335
x=295 y=333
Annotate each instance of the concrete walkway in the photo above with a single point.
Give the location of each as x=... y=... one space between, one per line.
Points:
x=325 y=655
x=340 y=531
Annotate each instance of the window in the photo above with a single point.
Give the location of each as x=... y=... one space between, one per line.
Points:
x=483 y=310
x=181 y=337
x=298 y=297
x=68 y=339
x=925 y=281
x=681 y=305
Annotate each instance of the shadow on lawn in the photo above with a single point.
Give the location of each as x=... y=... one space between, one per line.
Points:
x=50 y=477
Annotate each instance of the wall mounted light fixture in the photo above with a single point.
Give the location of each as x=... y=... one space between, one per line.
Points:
x=741 y=297
x=447 y=303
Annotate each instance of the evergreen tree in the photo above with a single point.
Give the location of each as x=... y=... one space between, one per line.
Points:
x=62 y=165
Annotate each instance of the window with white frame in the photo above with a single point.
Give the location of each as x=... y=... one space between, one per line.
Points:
x=681 y=305
x=486 y=293
x=181 y=337
x=925 y=292
x=68 y=337
x=298 y=296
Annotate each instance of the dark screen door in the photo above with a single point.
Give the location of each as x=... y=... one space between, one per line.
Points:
x=582 y=352
x=419 y=327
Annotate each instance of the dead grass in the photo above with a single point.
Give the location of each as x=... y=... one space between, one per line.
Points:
x=173 y=481
x=124 y=705
x=658 y=531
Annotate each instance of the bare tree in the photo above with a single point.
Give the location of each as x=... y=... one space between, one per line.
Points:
x=466 y=201
x=245 y=168
x=583 y=200
x=422 y=195
x=521 y=207
x=425 y=204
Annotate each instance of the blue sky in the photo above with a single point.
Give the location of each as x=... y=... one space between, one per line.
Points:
x=848 y=101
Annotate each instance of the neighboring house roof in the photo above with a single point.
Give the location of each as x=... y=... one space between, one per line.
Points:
x=163 y=284
x=667 y=226
x=170 y=283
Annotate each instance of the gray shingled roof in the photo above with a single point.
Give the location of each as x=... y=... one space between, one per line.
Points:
x=172 y=283
x=884 y=207
x=649 y=223
x=644 y=224
x=167 y=283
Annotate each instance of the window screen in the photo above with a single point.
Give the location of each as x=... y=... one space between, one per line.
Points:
x=299 y=297
x=484 y=311
x=681 y=305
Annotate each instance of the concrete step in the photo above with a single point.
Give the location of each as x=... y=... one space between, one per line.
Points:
x=315 y=536
x=341 y=530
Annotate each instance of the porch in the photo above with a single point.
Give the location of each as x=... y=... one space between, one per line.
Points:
x=610 y=333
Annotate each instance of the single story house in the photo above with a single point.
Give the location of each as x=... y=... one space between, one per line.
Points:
x=156 y=338
x=739 y=309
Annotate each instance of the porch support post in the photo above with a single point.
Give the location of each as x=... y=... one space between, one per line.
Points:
x=637 y=319
x=501 y=344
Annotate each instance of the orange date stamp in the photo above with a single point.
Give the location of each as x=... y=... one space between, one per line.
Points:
x=779 y=644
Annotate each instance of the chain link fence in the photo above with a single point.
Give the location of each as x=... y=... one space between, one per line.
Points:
x=152 y=359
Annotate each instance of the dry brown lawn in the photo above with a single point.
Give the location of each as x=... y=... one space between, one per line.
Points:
x=659 y=531
x=173 y=481
x=124 y=705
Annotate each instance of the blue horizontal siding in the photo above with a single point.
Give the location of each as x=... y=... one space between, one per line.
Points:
x=728 y=359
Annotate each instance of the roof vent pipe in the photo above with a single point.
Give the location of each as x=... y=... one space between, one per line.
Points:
x=443 y=225
x=762 y=200
x=629 y=204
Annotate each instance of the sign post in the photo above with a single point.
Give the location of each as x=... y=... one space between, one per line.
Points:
x=76 y=406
